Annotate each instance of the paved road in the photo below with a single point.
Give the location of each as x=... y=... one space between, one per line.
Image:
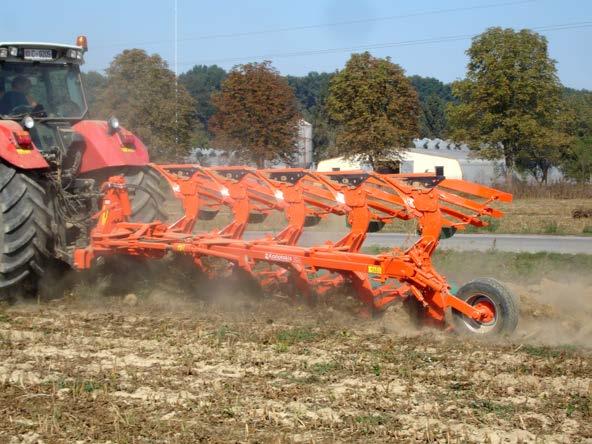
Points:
x=465 y=242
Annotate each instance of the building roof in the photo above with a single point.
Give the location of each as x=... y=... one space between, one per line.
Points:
x=445 y=148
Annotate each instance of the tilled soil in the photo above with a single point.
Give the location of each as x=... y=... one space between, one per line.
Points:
x=152 y=369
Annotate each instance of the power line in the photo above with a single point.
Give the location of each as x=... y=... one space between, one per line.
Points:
x=426 y=41
x=328 y=25
x=360 y=21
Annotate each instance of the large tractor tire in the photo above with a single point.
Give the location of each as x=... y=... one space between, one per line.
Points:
x=146 y=194
x=25 y=228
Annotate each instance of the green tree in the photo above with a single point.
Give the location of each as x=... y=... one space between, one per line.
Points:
x=201 y=81
x=434 y=96
x=311 y=92
x=256 y=114
x=548 y=150
x=375 y=106
x=580 y=104
x=311 y=89
x=433 y=121
x=140 y=91
x=94 y=84
x=429 y=86
x=577 y=163
x=509 y=99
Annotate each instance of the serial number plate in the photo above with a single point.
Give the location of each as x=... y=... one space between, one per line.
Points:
x=38 y=54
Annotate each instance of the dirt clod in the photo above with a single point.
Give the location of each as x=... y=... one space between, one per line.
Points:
x=130 y=299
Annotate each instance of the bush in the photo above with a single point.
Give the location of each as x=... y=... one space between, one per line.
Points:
x=551 y=227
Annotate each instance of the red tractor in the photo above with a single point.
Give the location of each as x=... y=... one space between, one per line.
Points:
x=53 y=160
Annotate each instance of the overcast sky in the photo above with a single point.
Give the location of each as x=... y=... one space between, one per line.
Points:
x=427 y=37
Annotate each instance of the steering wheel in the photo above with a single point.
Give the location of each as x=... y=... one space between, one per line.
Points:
x=38 y=110
x=21 y=109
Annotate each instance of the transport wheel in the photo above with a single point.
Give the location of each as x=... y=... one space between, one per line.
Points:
x=496 y=300
x=25 y=229
x=146 y=194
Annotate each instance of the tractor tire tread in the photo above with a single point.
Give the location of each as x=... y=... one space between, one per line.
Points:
x=24 y=229
x=148 y=199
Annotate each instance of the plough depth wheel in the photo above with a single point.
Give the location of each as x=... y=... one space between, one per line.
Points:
x=494 y=299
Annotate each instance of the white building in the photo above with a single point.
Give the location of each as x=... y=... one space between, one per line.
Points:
x=453 y=160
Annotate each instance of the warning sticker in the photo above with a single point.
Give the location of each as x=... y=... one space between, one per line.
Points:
x=376 y=269
x=104 y=217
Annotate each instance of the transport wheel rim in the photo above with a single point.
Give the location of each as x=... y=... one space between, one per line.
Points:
x=487 y=306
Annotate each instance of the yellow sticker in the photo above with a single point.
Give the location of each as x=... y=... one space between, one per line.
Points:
x=104 y=217
x=20 y=151
x=126 y=149
x=377 y=269
x=180 y=247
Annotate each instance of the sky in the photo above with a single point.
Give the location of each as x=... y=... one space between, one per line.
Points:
x=425 y=37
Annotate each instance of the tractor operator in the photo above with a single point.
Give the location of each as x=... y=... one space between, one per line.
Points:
x=18 y=96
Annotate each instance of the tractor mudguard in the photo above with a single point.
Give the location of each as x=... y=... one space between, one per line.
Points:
x=23 y=157
x=103 y=150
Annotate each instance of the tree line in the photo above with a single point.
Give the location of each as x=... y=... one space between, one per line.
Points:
x=510 y=106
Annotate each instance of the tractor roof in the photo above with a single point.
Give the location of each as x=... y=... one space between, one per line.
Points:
x=39 y=45
x=29 y=52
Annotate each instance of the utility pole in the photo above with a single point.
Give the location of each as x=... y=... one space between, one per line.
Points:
x=176 y=67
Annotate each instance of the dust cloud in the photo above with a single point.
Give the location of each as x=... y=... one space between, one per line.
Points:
x=555 y=307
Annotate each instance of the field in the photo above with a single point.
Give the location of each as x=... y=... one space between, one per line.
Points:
x=533 y=216
x=97 y=365
x=543 y=216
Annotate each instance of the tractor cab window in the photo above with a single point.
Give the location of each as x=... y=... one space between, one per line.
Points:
x=42 y=90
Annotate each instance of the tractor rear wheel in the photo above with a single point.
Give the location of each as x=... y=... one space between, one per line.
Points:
x=146 y=194
x=496 y=300
x=25 y=229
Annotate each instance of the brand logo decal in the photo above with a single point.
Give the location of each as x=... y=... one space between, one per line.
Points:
x=278 y=257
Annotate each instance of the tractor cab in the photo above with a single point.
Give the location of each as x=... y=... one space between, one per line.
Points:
x=41 y=80
x=41 y=88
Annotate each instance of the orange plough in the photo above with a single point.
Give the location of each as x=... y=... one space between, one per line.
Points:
x=368 y=200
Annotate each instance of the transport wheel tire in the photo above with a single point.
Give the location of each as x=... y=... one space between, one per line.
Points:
x=146 y=194
x=25 y=229
x=493 y=297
